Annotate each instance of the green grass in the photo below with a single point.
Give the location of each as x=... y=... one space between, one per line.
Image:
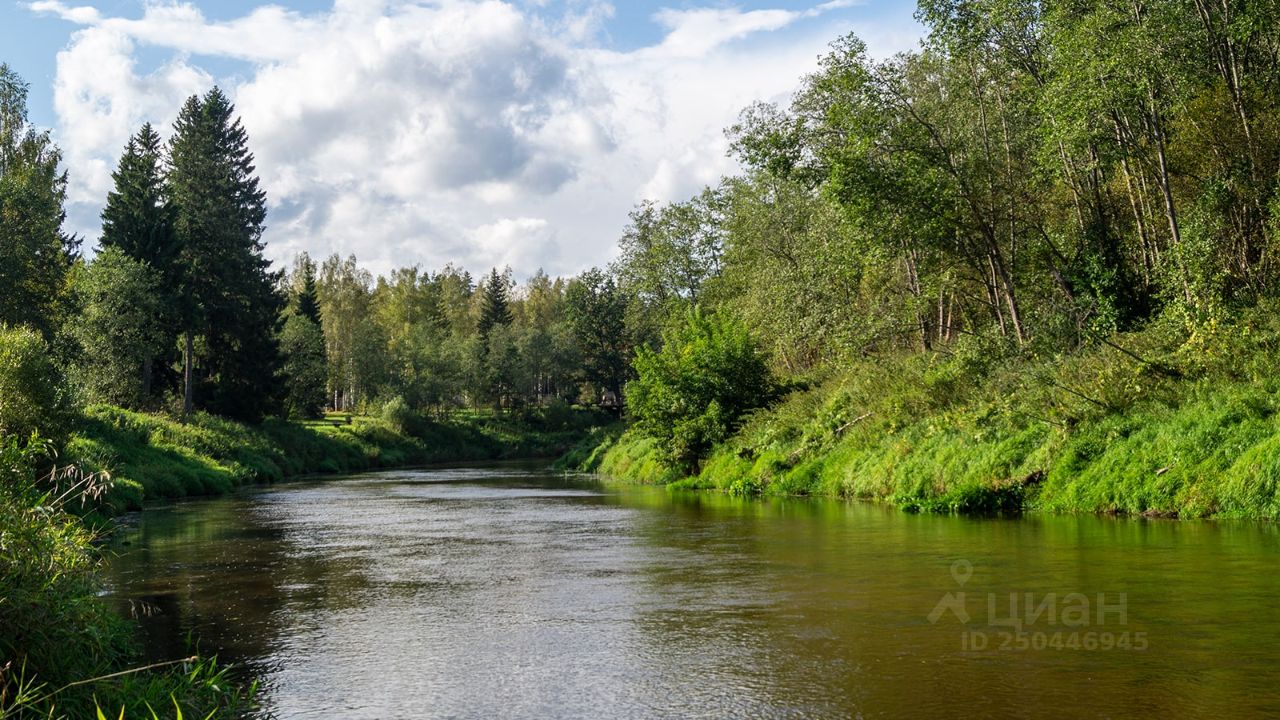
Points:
x=156 y=457
x=615 y=452
x=1192 y=429
x=63 y=654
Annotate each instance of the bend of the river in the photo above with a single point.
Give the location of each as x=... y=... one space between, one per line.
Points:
x=511 y=592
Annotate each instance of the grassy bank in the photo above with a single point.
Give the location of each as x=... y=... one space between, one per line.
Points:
x=1161 y=422
x=153 y=457
x=63 y=653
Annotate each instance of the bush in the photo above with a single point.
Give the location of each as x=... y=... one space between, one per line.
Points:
x=32 y=398
x=691 y=394
x=398 y=416
x=56 y=633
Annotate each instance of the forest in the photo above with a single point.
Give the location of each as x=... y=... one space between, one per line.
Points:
x=1028 y=266
x=1034 y=178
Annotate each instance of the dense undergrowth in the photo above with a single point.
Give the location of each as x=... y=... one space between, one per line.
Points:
x=63 y=652
x=154 y=457
x=1160 y=422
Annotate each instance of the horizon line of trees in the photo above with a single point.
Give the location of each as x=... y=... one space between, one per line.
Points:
x=179 y=309
x=1035 y=177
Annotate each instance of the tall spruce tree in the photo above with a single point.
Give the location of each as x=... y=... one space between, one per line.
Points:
x=138 y=221
x=494 y=308
x=307 y=298
x=229 y=298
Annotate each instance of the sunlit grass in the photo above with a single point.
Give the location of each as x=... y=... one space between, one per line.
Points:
x=1190 y=429
x=154 y=456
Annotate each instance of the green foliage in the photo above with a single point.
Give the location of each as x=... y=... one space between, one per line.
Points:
x=667 y=256
x=64 y=652
x=1157 y=422
x=306 y=296
x=596 y=311
x=304 y=372
x=137 y=219
x=47 y=582
x=792 y=267
x=494 y=309
x=689 y=395
x=229 y=293
x=33 y=396
x=397 y=414
x=354 y=347
x=34 y=254
x=119 y=333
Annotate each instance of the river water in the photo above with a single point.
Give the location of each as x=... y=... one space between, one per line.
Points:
x=515 y=592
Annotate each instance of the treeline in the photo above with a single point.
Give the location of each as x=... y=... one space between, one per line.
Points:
x=439 y=341
x=1035 y=178
x=1047 y=173
x=178 y=310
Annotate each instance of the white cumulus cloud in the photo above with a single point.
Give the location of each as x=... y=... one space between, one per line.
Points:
x=475 y=131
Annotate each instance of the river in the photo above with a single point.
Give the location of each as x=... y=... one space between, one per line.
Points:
x=514 y=592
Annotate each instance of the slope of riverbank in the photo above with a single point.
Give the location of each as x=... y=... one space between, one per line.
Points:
x=152 y=457
x=63 y=653
x=1161 y=422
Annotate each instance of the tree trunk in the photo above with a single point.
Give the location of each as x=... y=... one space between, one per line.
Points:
x=146 y=378
x=188 y=388
x=1166 y=189
x=913 y=284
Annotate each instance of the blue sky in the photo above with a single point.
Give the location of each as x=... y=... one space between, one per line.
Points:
x=474 y=131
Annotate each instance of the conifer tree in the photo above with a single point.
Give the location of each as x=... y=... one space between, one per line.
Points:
x=138 y=221
x=307 y=300
x=229 y=297
x=137 y=218
x=494 y=308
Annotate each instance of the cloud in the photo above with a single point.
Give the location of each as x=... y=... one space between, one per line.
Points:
x=694 y=33
x=100 y=100
x=525 y=242
x=474 y=131
x=269 y=32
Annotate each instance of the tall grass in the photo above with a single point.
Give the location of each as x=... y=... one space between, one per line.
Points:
x=63 y=654
x=1164 y=421
x=153 y=456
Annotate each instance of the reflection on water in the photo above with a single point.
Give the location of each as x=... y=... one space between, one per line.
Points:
x=508 y=593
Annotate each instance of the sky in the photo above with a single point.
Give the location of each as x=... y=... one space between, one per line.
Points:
x=478 y=132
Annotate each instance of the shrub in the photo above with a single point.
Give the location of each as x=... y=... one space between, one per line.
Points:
x=398 y=416
x=692 y=393
x=32 y=398
x=63 y=649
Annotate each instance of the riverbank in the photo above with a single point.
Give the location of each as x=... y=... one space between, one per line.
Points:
x=154 y=457
x=449 y=572
x=1161 y=422
x=62 y=651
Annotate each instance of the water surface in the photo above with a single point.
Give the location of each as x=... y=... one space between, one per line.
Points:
x=505 y=592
